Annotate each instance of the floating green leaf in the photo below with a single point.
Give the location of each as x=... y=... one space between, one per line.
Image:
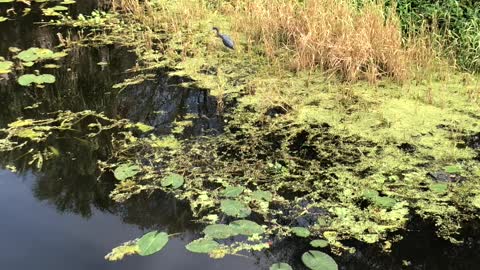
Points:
x=384 y=202
x=370 y=194
x=246 y=227
x=202 y=246
x=124 y=171
x=439 y=188
x=121 y=251
x=151 y=243
x=219 y=231
x=60 y=8
x=280 y=266
x=5 y=67
x=232 y=192
x=319 y=243
x=453 y=169
x=260 y=195
x=174 y=180
x=235 y=208
x=28 y=79
x=301 y=231
x=38 y=54
x=317 y=260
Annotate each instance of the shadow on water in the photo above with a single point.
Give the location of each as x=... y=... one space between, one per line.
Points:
x=62 y=217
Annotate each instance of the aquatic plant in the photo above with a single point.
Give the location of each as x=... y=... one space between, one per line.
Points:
x=38 y=80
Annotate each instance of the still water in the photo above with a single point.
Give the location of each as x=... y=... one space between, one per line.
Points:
x=36 y=235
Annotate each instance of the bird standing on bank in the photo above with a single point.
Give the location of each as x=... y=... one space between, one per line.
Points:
x=227 y=41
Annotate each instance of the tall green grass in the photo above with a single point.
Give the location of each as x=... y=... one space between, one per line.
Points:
x=454 y=26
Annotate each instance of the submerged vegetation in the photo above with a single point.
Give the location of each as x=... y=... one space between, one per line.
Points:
x=343 y=120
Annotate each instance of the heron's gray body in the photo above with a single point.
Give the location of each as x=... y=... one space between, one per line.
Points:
x=227 y=41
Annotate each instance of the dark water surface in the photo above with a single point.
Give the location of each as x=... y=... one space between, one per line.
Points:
x=62 y=218
x=36 y=235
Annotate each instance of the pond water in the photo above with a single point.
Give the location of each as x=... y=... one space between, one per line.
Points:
x=40 y=232
x=62 y=217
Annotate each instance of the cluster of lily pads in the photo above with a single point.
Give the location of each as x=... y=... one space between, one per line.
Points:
x=47 y=10
x=210 y=243
x=28 y=58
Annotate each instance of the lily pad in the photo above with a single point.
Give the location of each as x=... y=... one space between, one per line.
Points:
x=219 y=231
x=235 y=208
x=174 y=180
x=317 y=260
x=280 y=266
x=384 y=202
x=439 y=188
x=232 y=192
x=5 y=67
x=202 y=246
x=246 y=227
x=125 y=171
x=301 y=232
x=260 y=195
x=28 y=79
x=452 y=169
x=151 y=243
x=319 y=243
x=38 y=54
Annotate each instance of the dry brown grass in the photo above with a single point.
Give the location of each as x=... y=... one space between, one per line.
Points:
x=130 y=6
x=329 y=34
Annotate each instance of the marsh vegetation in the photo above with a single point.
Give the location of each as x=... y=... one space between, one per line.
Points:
x=343 y=126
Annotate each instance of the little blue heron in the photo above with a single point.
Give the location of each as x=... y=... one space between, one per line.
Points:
x=227 y=41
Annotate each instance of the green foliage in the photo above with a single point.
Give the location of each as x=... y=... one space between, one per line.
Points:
x=126 y=170
x=5 y=67
x=235 y=208
x=260 y=195
x=151 y=243
x=440 y=188
x=28 y=79
x=173 y=180
x=458 y=23
x=476 y=201
x=144 y=128
x=280 y=266
x=246 y=227
x=35 y=54
x=453 y=169
x=317 y=260
x=301 y=231
x=319 y=243
x=232 y=192
x=219 y=231
x=202 y=246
